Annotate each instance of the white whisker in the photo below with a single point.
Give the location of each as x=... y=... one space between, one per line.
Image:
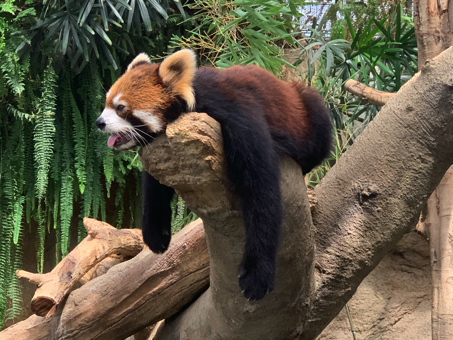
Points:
x=131 y=133
x=143 y=132
x=137 y=135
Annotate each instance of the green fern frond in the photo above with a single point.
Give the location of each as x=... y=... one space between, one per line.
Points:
x=44 y=131
x=56 y=209
x=97 y=190
x=181 y=215
x=88 y=193
x=108 y=169
x=66 y=198
x=12 y=71
x=6 y=208
x=57 y=246
x=17 y=218
x=14 y=287
x=41 y=236
x=79 y=139
x=29 y=172
x=119 y=203
x=43 y=137
x=17 y=113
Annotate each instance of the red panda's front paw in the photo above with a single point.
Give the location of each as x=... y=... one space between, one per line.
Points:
x=256 y=280
x=158 y=243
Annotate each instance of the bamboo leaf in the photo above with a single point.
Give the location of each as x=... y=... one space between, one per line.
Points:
x=104 y=16
x=144 y=14
x=159 y=8
x=100 y=31
x=114 y=11
x=130 y=16
x=84 y=14
x=66 y=31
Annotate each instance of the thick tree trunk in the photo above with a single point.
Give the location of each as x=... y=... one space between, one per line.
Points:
x=434 y=29
x=375 y=193
x=433 y=21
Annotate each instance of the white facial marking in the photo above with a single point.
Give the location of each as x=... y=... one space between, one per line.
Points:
x=114 y=123
x=107 y=94
x=116 y=98
x=151 y=121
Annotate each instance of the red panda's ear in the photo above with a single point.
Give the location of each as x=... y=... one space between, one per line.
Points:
x=141 y=59
x=177 y=72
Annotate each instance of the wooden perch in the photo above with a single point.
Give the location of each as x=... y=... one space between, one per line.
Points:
x=102 y=241
x=368 y=94
x=191 y=161
x=101 y=268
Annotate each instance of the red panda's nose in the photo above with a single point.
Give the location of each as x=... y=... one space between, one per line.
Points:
x=100 y=123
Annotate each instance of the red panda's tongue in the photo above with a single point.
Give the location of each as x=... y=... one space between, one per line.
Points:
x=112 y=140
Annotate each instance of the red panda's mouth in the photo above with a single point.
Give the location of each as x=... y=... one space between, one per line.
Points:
x=118 y=139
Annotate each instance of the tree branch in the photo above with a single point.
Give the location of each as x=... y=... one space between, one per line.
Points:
x=368 y=94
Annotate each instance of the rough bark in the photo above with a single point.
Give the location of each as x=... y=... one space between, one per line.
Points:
x=130 y=296
x=199 y=177
x=366 y=93
x=375 y=193
x=394 y=301
x=434 y=29
x=433 y=20
x=102 y=241
x=437 y=221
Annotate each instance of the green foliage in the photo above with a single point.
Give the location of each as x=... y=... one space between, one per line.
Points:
x=338 y=30
x=242 y=32
x=381 y=54
x=90 y=30
x=44 y=131
x=181 y=215
x=54 y=162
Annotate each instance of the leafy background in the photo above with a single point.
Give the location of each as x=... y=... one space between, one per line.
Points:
x=59 y=57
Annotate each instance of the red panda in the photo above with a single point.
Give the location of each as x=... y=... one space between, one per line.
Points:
x=260 y=116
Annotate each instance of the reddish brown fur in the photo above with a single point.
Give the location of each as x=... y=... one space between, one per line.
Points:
x=283 y=106
x=142 y=90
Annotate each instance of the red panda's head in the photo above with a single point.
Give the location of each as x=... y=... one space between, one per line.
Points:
x=138 y=105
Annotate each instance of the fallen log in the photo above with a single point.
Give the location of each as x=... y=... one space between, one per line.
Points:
x=129 y=297
x=102 y=241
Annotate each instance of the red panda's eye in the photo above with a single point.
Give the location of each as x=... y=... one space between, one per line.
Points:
x=120 y=108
